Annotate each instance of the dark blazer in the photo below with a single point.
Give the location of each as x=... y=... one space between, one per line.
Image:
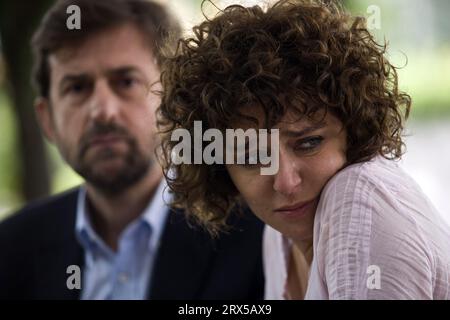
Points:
x=38 y=244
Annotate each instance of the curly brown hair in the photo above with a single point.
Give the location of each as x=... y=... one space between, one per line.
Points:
x=300 y=55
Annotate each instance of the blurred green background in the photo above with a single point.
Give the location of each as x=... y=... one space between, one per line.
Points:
x=418 y=32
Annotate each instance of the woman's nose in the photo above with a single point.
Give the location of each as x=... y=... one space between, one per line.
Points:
x=288 y=178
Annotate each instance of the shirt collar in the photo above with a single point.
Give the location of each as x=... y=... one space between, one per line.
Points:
x=86 y=235
x=154 y=215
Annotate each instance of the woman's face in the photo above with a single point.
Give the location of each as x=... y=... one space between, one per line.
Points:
x=309 y=155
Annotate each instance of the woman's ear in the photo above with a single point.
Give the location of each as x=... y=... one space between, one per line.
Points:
x=44 y=116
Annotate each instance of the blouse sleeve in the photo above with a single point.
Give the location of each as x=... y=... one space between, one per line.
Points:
x=368 y=246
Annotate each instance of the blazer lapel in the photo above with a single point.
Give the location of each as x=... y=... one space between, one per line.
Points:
x=182 y=261
x=58 y=250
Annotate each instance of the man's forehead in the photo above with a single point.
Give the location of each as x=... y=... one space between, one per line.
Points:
x=63 y=65
x=104 y=50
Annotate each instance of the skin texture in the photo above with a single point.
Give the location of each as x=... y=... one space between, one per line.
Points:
x=307 y=161
x=101 y=116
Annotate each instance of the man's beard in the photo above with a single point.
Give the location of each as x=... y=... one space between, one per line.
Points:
x=134 y=168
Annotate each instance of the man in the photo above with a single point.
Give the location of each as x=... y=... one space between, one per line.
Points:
x=97 y=100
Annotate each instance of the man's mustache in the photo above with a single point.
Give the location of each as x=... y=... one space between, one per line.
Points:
x=98 y=130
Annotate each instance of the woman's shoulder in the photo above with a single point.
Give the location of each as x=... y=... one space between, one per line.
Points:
x=377 y=170
x=380 y=175
x=357 y=180
x=375 y=193
x=378 y=200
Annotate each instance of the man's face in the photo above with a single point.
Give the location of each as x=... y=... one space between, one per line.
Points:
x=101 y=110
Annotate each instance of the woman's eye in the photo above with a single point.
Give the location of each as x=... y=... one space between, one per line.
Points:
x=256 y=160
x=309 y=143
x=252 y=159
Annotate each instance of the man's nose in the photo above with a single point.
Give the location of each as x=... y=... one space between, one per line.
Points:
x=288 y=179
x=104 y=104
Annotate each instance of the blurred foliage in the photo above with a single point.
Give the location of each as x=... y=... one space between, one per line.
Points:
x=18 y=19
x=427 y=79
x=63 y=177
x=9 y=195
x=417 y=33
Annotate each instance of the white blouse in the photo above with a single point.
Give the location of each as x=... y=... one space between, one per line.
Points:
x=376 y=236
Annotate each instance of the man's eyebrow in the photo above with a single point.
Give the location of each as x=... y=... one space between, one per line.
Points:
x=87 y=77
x=304 y=131
x=123 y=70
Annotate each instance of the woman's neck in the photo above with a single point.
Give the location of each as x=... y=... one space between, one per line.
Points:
x=305 y=247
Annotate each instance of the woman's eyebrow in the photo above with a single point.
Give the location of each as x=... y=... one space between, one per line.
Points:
x=294 y=133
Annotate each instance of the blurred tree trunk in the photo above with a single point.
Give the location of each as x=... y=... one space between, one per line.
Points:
x=17 y=22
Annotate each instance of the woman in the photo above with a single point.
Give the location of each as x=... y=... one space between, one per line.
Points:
x=344 y=221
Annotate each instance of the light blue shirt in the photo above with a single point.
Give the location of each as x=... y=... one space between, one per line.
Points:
x=125 y=274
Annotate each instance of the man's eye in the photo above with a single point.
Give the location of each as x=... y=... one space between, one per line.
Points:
x=308 y=144
x=76 y=88
x=126 y=82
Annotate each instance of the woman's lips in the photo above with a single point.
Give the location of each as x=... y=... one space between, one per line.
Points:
x=295 y=211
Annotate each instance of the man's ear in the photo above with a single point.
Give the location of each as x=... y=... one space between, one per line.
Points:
x=44 y=116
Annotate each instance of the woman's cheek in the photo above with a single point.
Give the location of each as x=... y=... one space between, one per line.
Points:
x=251 y=190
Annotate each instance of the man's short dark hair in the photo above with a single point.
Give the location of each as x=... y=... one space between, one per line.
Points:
x=152 y=19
